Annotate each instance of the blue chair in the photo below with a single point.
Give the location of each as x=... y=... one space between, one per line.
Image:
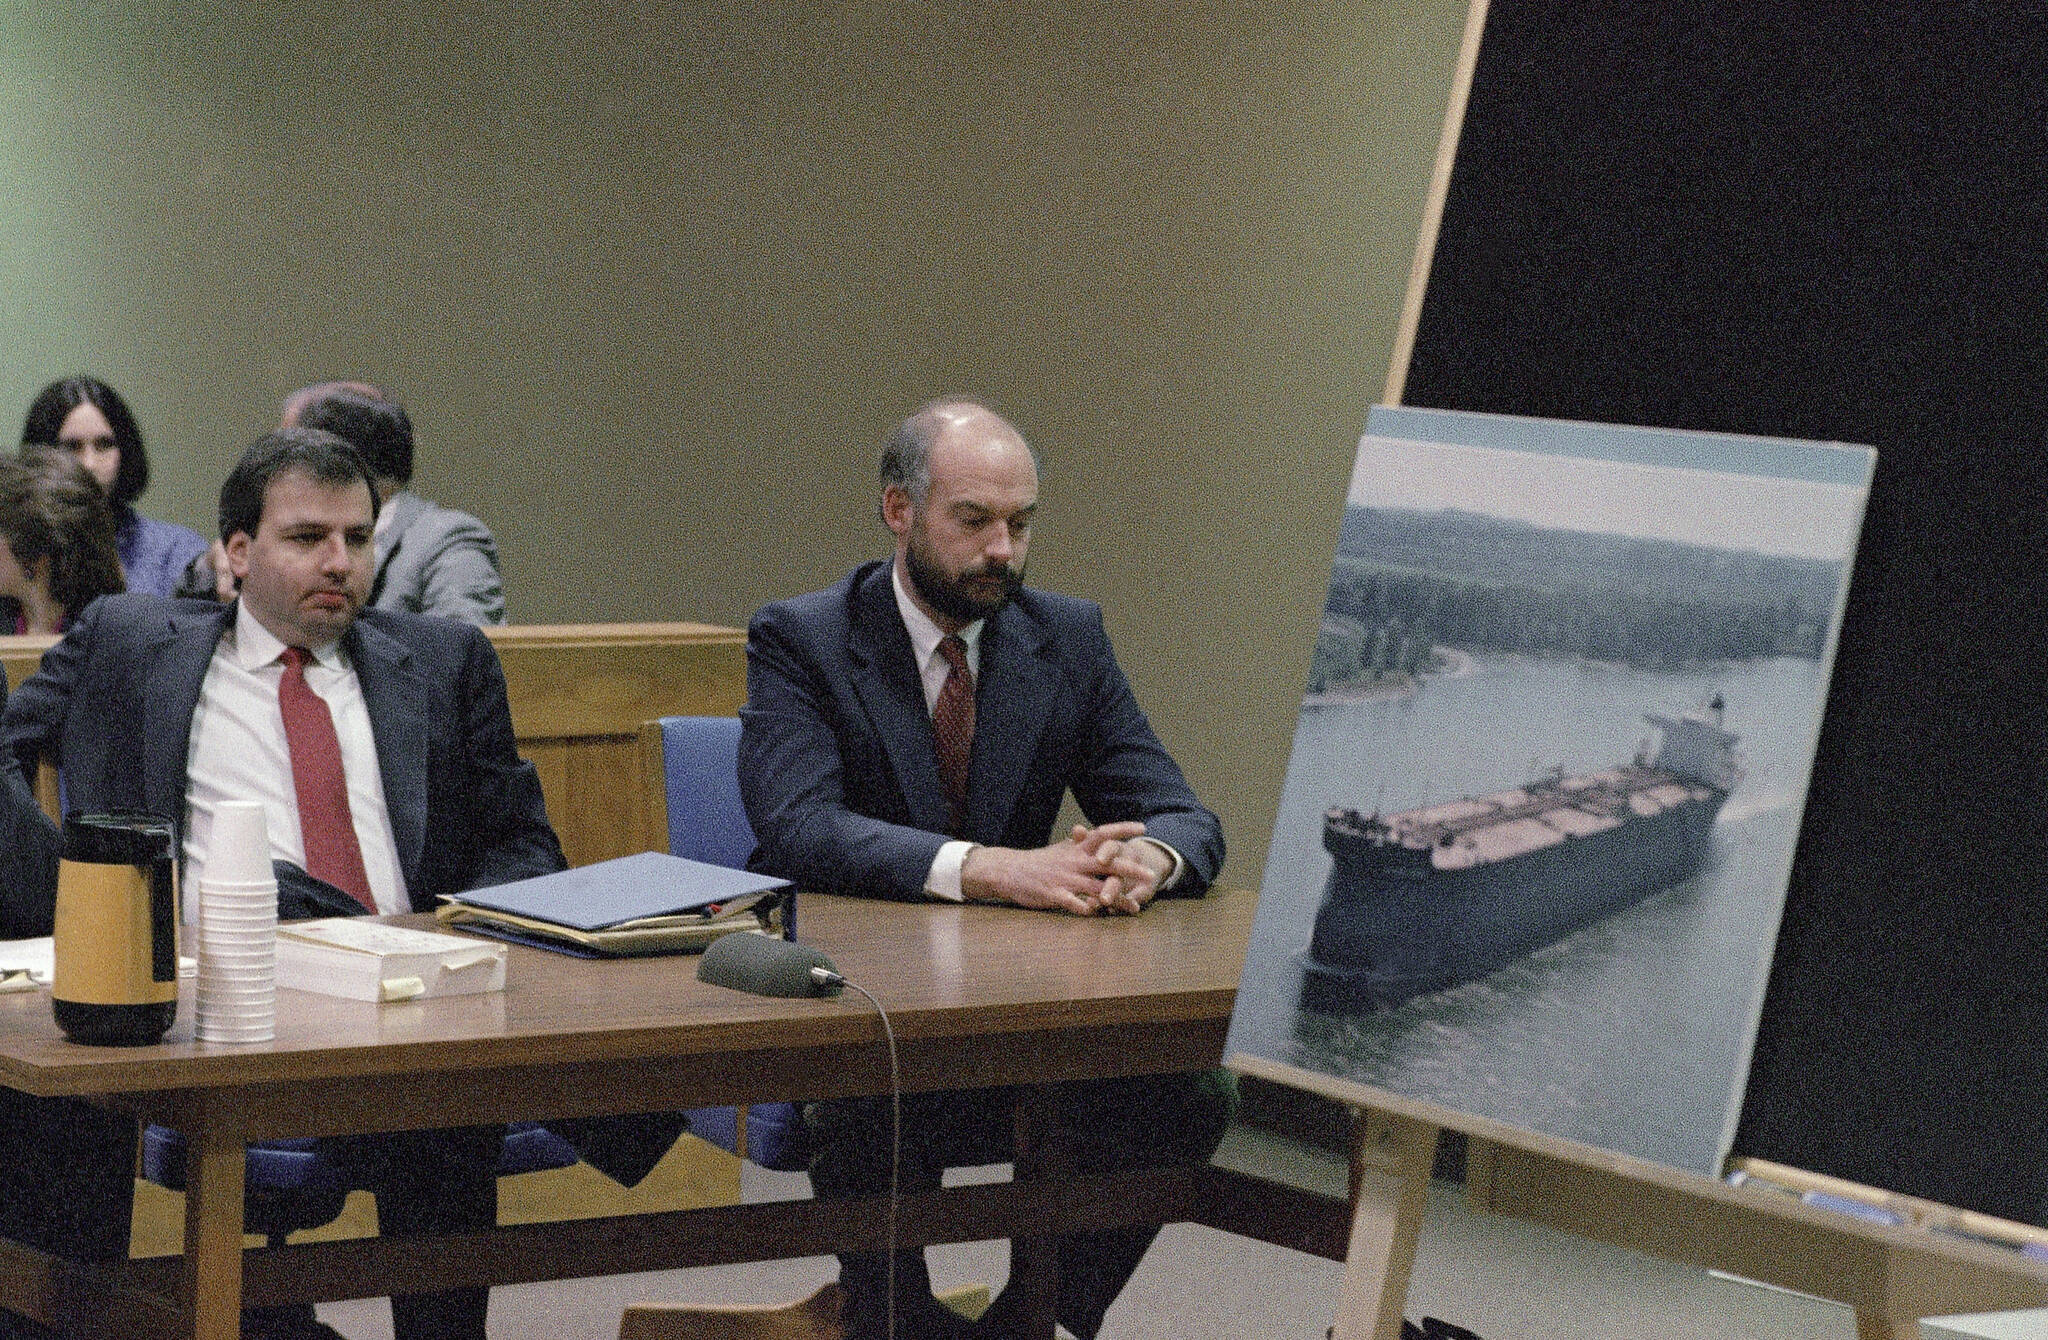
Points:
x=286 y=1184
x=700 y=791
x=292 y=1184
x=698 y=811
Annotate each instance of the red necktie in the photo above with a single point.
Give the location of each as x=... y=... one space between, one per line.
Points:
x=325 y=827
x=953 y=729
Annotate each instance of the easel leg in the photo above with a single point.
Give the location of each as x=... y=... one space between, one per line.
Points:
x=213 y=1233
x=1390 y=1163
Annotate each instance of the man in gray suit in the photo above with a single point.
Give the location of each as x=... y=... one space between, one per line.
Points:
x=430 y=559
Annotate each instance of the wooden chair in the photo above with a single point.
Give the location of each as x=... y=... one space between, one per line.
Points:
x=815 y=1318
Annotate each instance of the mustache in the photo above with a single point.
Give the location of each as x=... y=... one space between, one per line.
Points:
x=1011 y=575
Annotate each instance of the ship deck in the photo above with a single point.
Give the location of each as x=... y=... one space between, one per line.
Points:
x=1477 y=830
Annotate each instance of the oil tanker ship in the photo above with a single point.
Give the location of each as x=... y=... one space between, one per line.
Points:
x=1431 y=897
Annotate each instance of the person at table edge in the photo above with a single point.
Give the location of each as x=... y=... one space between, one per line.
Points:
x=173 y=706
x=846 y=775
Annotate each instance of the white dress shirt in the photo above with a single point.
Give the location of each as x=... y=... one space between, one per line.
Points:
x=237 y=752
x=943 y=882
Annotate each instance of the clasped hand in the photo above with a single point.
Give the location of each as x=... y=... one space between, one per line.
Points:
x=1093 y=870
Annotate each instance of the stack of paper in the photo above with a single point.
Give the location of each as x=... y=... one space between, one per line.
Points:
x=652 y=903
x=367 y=960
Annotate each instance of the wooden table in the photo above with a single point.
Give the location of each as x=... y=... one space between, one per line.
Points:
x=978 y=996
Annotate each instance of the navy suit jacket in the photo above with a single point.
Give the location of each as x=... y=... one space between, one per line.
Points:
x=113 y=704
x=837 y=763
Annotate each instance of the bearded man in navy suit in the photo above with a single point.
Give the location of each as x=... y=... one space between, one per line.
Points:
x=911 y=733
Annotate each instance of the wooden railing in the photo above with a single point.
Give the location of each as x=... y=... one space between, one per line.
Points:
x=579 y=694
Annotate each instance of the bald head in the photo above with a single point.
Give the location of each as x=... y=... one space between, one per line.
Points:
x=298 y=402
x=907 y=457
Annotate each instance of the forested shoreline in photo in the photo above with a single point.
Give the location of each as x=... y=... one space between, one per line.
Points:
x=1406 y=581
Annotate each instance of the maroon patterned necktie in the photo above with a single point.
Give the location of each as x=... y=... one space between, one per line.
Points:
x=953 y=728
x=329 y=834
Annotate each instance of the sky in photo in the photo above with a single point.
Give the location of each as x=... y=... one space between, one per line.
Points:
x=1726 y=510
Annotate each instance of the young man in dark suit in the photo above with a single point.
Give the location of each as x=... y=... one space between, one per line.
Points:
x=173 y=707
x=910 y=733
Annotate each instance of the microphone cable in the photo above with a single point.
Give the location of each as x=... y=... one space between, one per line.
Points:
x=827 y=977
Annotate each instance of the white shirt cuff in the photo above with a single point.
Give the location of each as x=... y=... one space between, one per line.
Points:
x=1179 y=866
x=943 y=883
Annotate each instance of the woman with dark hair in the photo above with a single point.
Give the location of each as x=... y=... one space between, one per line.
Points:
x=84 y=416
x=57 y=551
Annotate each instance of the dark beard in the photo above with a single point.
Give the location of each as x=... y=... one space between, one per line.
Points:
x=953 y=597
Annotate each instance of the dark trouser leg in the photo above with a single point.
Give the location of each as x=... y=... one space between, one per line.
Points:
x=1117 y=1125
x=1148 y=1122
x=430 y=1182
x=67 y=1182
x=852 y=1159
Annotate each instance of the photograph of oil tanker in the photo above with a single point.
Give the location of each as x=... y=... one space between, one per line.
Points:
x=1547 y=775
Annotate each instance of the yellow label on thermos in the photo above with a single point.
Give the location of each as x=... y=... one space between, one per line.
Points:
x=104 y=951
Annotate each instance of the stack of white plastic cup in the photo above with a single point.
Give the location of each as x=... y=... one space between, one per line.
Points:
x=237 y=924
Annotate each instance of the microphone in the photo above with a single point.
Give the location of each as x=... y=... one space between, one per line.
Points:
x=763 y=965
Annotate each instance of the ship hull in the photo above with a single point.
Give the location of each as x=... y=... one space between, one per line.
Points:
x=1391 y=927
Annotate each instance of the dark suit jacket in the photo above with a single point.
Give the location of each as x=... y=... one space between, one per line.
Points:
x=113 y=704
x=837 y=765
x=28 y=845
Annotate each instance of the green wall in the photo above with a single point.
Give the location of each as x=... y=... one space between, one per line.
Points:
x=656 y=280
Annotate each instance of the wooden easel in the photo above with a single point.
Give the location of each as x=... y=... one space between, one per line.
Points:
x=1390 y=1163
x=1891 y=1275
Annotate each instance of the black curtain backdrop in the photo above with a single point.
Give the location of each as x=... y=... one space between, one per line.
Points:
x=1822 y=222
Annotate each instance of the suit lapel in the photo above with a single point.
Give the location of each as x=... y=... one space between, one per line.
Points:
x=178 y=656
x=396 y=701
x=885 y=679
x=1013 y=695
